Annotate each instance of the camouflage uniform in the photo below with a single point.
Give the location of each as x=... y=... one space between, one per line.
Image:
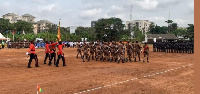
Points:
x=121 y=50
x=106 y=52
x=137 y=50
x=98 y=51
x=112 y=51
x=79 y=46
x=92 y=50
x=86 y=49
x=129 y=50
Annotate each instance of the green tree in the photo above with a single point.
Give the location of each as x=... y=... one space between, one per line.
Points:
x=22 y=25
x=190 y=32
x=159 y=30
x=5 y=25
x=108 y=29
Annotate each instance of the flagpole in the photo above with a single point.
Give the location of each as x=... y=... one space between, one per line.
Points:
x=13 y=37
x=37 y=88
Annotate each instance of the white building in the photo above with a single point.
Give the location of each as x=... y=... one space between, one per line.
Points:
x=42 y=25
x=143 y=25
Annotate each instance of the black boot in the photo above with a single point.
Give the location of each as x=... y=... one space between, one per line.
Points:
x=147 y=59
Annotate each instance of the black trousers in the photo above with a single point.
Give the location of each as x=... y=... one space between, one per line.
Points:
x=53 y=56
x=63 y=59
x=46 y=56
x=33 y=56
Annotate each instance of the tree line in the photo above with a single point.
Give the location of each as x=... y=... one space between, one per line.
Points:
x=106 y=29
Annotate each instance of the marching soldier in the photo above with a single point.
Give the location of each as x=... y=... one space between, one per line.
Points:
x=146 y=52
x=137 y=50
x=112 y=51
x=129 y=49
x=53 y=52
x=32 y=54
x=85 y=52
x=60 y=54
x=98 y=51
x=106 y=52
x=121 y=52
x=47 y=51
x=79 y=47
x=92 y=50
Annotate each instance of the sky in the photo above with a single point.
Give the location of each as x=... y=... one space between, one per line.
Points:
x=82 y=12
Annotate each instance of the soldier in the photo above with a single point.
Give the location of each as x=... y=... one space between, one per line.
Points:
x=52 y=52
x=31 y=52
x=60 y=54
x=129 y=50
x=146 y=52
x=85 y=52
x=106 y=52
x=79 y=47
x=121 y=52
x=47 y=51
x=98 y=51
x=92 y=50
x=112 y=51
x=137 y=50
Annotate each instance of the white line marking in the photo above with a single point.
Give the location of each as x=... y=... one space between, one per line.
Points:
x=133 y=79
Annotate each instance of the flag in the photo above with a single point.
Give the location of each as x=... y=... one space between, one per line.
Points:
x=13 y=31
x=23 y=32
x=58 y=35
x=39 y=89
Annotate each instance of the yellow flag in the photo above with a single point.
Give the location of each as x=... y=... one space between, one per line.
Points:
x=58 y=35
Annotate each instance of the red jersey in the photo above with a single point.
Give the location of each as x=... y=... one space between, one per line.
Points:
x=31 y=48
x=47 y=50
x=60 y=52
x=53 y=46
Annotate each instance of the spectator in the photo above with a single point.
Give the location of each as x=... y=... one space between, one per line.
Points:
x=2 y=44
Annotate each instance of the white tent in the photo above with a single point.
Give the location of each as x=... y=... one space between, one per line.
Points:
x=3 y=38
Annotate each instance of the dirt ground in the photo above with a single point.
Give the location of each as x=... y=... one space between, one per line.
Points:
x=96 y=77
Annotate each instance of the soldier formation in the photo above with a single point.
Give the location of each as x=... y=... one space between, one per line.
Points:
x=174 y=47
x=111 y=51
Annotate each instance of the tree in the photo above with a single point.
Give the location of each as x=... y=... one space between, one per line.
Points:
x=22 y=25
x=5 y=25
x=169 y=22
x=108 y=29
x=159 y=30
x=190 y=32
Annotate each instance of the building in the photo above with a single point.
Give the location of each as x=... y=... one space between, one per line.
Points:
x=28 y=18
x=143 y=25
x=13 y=18
x=42 y=25
x=150 y=38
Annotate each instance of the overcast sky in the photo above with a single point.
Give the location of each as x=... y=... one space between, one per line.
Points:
x=82 y=12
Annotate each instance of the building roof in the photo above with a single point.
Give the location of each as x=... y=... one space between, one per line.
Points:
x=28 y=15
x=10 y=14
x=161 y=36
x=44 y=21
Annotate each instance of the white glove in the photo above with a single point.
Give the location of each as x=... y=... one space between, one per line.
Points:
x=27 y=53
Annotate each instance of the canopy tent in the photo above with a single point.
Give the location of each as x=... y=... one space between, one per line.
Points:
x=3 y=38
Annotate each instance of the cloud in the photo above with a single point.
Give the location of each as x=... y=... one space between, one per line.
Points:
x=92 y=13
x=156 y=18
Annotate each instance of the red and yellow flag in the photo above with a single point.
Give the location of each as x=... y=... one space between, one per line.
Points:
x=58 y=35
x=39 y=89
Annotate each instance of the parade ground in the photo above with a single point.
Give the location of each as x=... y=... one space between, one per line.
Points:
x=166 y=73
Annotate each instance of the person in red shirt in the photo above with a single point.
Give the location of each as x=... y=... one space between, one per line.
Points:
x=31 y=52
x=53 y=52
x=146 y=52
x=60 y=54
x=47 y=51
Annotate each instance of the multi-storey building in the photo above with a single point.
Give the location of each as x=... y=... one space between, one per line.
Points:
x=143 y=25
